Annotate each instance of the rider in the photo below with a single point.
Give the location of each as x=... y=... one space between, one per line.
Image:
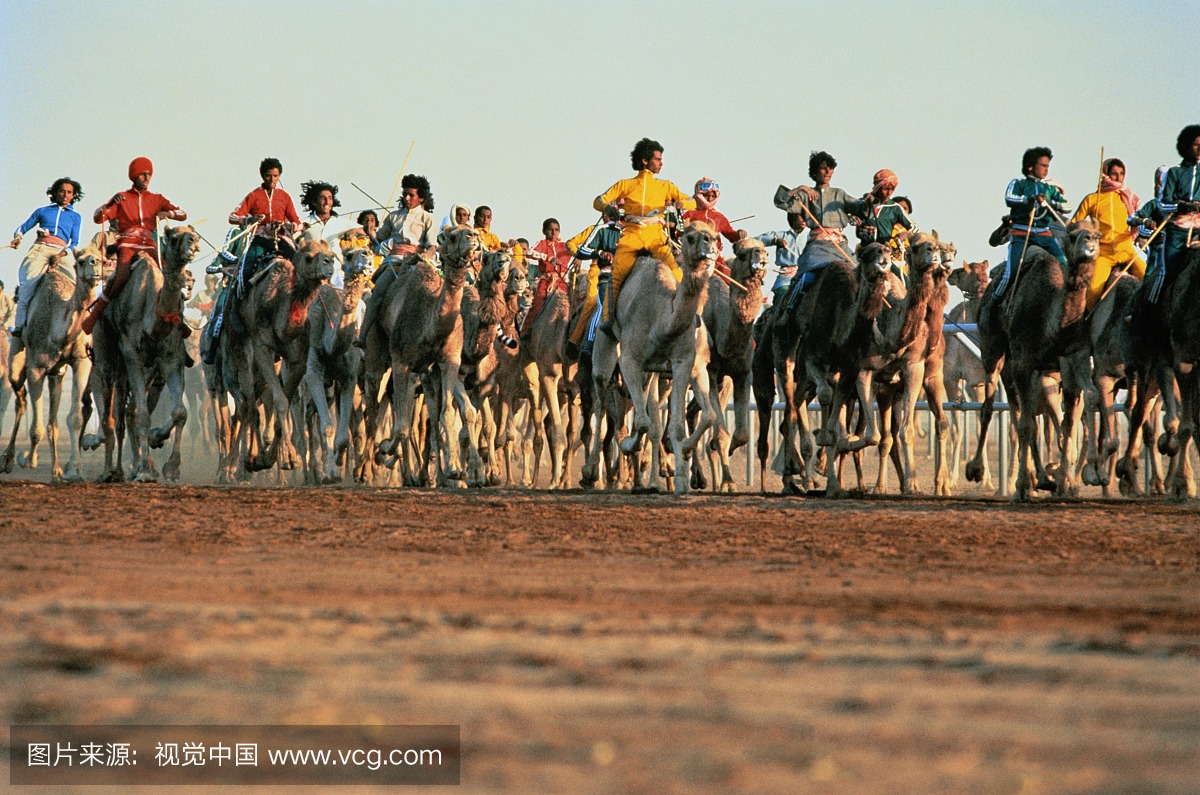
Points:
x=830 y=210
x=1181 y=197
x=787 y=254
x=645 y=198
x=58 y=235
x=137 y=212
x=272 y=209
x=407 y=230
x=888 y=221
x=553 y=258
x=1110 y=207
x=1030 y=199
x=1147 y=219
x=483 y=225
x=598 y=242
x=706 y=193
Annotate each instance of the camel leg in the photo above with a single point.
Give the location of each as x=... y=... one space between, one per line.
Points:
x=1027 y=435
x=139 y=422
x=719 y=447
x=935 y=396
x=530 y=453
x=324 y=435
x=1181 y=479
x=455 y=389
x=179 y=416
x=887 y=439
x=54 y=383
x=977 y=465
x=557 y=438
x=37 y=431
x=914 y=379
x=793 y=421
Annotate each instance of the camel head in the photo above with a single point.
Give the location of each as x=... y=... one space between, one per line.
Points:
x=496 y=266
x=699 y=248
x=949 y=252
x=518 y=285
x=314 y=262
x=924 y=255
x=180 y=246
x=358 y=264
x=1083 y=241
x=972 y=278
x=874 y=260
x=750 y=265
x=89 y=266
x=462 y=247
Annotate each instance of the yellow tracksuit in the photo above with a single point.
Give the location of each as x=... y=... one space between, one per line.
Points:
x=643 y=194
x=1116 y=241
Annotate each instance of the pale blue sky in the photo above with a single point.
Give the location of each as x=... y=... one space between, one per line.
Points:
x=532 y=107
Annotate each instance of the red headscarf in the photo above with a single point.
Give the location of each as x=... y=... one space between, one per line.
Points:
x=139 y=165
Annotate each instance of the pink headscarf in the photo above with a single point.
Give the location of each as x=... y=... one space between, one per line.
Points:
x=701 y=201
x=1108 y=184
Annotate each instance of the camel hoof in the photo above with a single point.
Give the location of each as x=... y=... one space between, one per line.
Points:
x=91 y=441
x=1168 y=444
x=974 y=471
x=791 y=489
x=1089 y=475
x=170 y=472
x=8 y=463
x=23 y=461
x=1047 y=484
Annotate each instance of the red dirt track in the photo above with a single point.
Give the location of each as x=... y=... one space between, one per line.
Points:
x=599 y=643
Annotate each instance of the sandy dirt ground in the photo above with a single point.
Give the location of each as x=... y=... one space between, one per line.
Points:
x=601 y=643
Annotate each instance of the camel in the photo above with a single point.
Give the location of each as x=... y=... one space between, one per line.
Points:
x=1113 y=363
x=963 y=374
x=274 y=311
x=806 y=348
x=656 y=323
x=897 y=438
x=489 y=326
x=5 y=385
x=422 y=316
x=1181 y=419
x=1043 y=322
x=729 y=317
x=52 y=341
x=544 y=362
x=141 y=338
x=512 y=385
x=333 y=363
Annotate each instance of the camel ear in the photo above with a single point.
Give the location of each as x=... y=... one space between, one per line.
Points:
x=936 y=239
x=985 y=265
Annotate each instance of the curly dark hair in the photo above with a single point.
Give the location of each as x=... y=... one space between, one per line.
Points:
x=1184 y=142
x=267 y=164
x=643 y=150
x=423 y=190
x=818 y=159
x=1031 y=156
x=547 y=222
x=309 y=191
x=58 y=183
x=362 y=217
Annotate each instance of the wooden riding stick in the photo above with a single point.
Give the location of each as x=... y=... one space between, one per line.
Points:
x=1156 y=232
x=731 y=280
x=1017 y=272
x=804 y=207
x=400 y=176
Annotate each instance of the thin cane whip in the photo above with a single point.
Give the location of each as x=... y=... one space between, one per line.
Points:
x=1158 y=231
x=1017 y=273
x=383 y=207
x=400 y=176
x=804 y=207
x=743 y=218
